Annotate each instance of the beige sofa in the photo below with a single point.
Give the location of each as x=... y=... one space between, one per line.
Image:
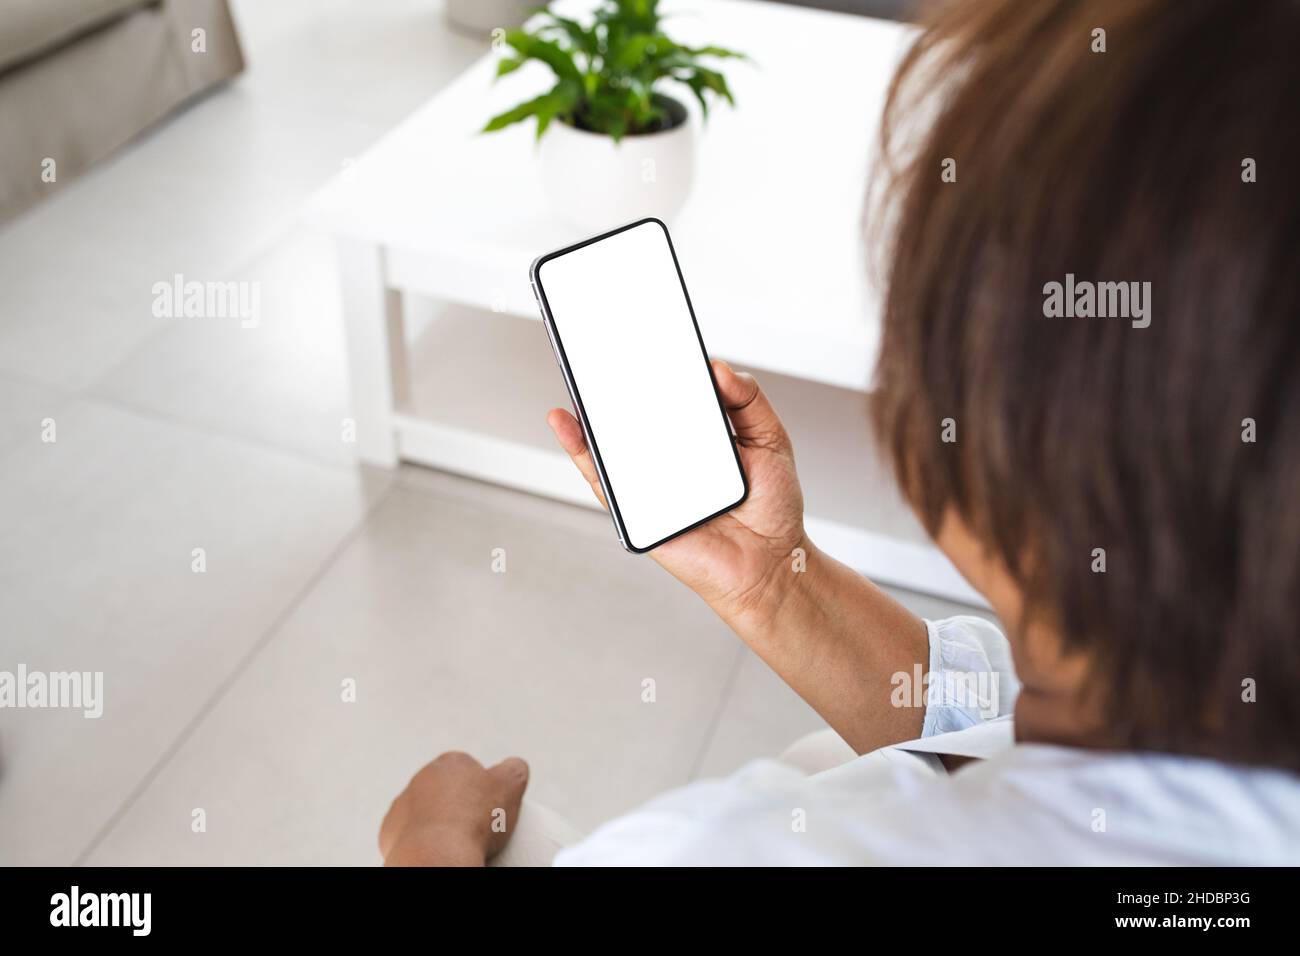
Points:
x=78 y=78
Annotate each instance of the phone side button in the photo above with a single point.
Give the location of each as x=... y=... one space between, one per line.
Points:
x=555 y=349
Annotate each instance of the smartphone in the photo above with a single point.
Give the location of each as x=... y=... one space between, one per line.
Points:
x=625 y=336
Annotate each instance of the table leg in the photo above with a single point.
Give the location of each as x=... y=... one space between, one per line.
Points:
x=377 y=368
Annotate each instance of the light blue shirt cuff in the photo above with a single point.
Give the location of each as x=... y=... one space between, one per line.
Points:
x=971 y=678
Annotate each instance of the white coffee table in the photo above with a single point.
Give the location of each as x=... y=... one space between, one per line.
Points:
x=770 y=245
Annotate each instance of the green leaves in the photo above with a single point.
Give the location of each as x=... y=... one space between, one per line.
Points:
x=509 y=64
x=697 y=87
x=558 y=58
x=715 y=81
x=557 y=101
x=718 y=51
x=582 y=38
x=635 y=51
x=608 y=72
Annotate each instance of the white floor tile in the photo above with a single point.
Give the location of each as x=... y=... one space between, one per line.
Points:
x=545 y=660
x=760 y=718
x=24 y=409
x=282 y=381
x=96 y=574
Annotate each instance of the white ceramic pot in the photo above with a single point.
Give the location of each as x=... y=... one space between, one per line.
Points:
x=597 y=184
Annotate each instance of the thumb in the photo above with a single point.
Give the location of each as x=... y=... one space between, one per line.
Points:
x=751 y=414
x=509 y=780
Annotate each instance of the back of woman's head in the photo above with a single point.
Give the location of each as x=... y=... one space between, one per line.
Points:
x=1093 y=214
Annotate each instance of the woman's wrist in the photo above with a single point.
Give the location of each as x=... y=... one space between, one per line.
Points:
x=784 y=600
x=838 y=641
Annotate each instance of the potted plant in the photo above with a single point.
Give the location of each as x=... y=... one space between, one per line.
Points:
x=619 y=147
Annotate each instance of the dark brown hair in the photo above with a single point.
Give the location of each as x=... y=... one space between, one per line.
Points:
x=1075 y=434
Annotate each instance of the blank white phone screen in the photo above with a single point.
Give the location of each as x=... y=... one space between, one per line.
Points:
x=624 y=325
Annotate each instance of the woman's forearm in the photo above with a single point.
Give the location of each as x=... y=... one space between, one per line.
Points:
x=838 y=640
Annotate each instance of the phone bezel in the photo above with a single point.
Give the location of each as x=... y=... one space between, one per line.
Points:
x=557 y=345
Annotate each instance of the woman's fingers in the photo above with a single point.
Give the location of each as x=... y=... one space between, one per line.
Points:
x=569 y=433
x=751 y=413
x=509 y=780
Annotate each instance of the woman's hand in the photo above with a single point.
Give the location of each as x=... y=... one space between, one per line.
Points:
x=454 y=812
x=738 y=561
x=828 y=632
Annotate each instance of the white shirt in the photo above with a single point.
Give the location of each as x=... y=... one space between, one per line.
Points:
x=1021 y=804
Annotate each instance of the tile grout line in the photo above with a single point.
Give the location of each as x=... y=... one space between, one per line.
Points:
x=23 y=378
x=240 y=668
x=302 y=456
x=259 y=248
x=728 y=688
x=91 y=395
x=205 y=430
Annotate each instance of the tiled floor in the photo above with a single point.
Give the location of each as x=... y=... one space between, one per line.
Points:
x=223 y=689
